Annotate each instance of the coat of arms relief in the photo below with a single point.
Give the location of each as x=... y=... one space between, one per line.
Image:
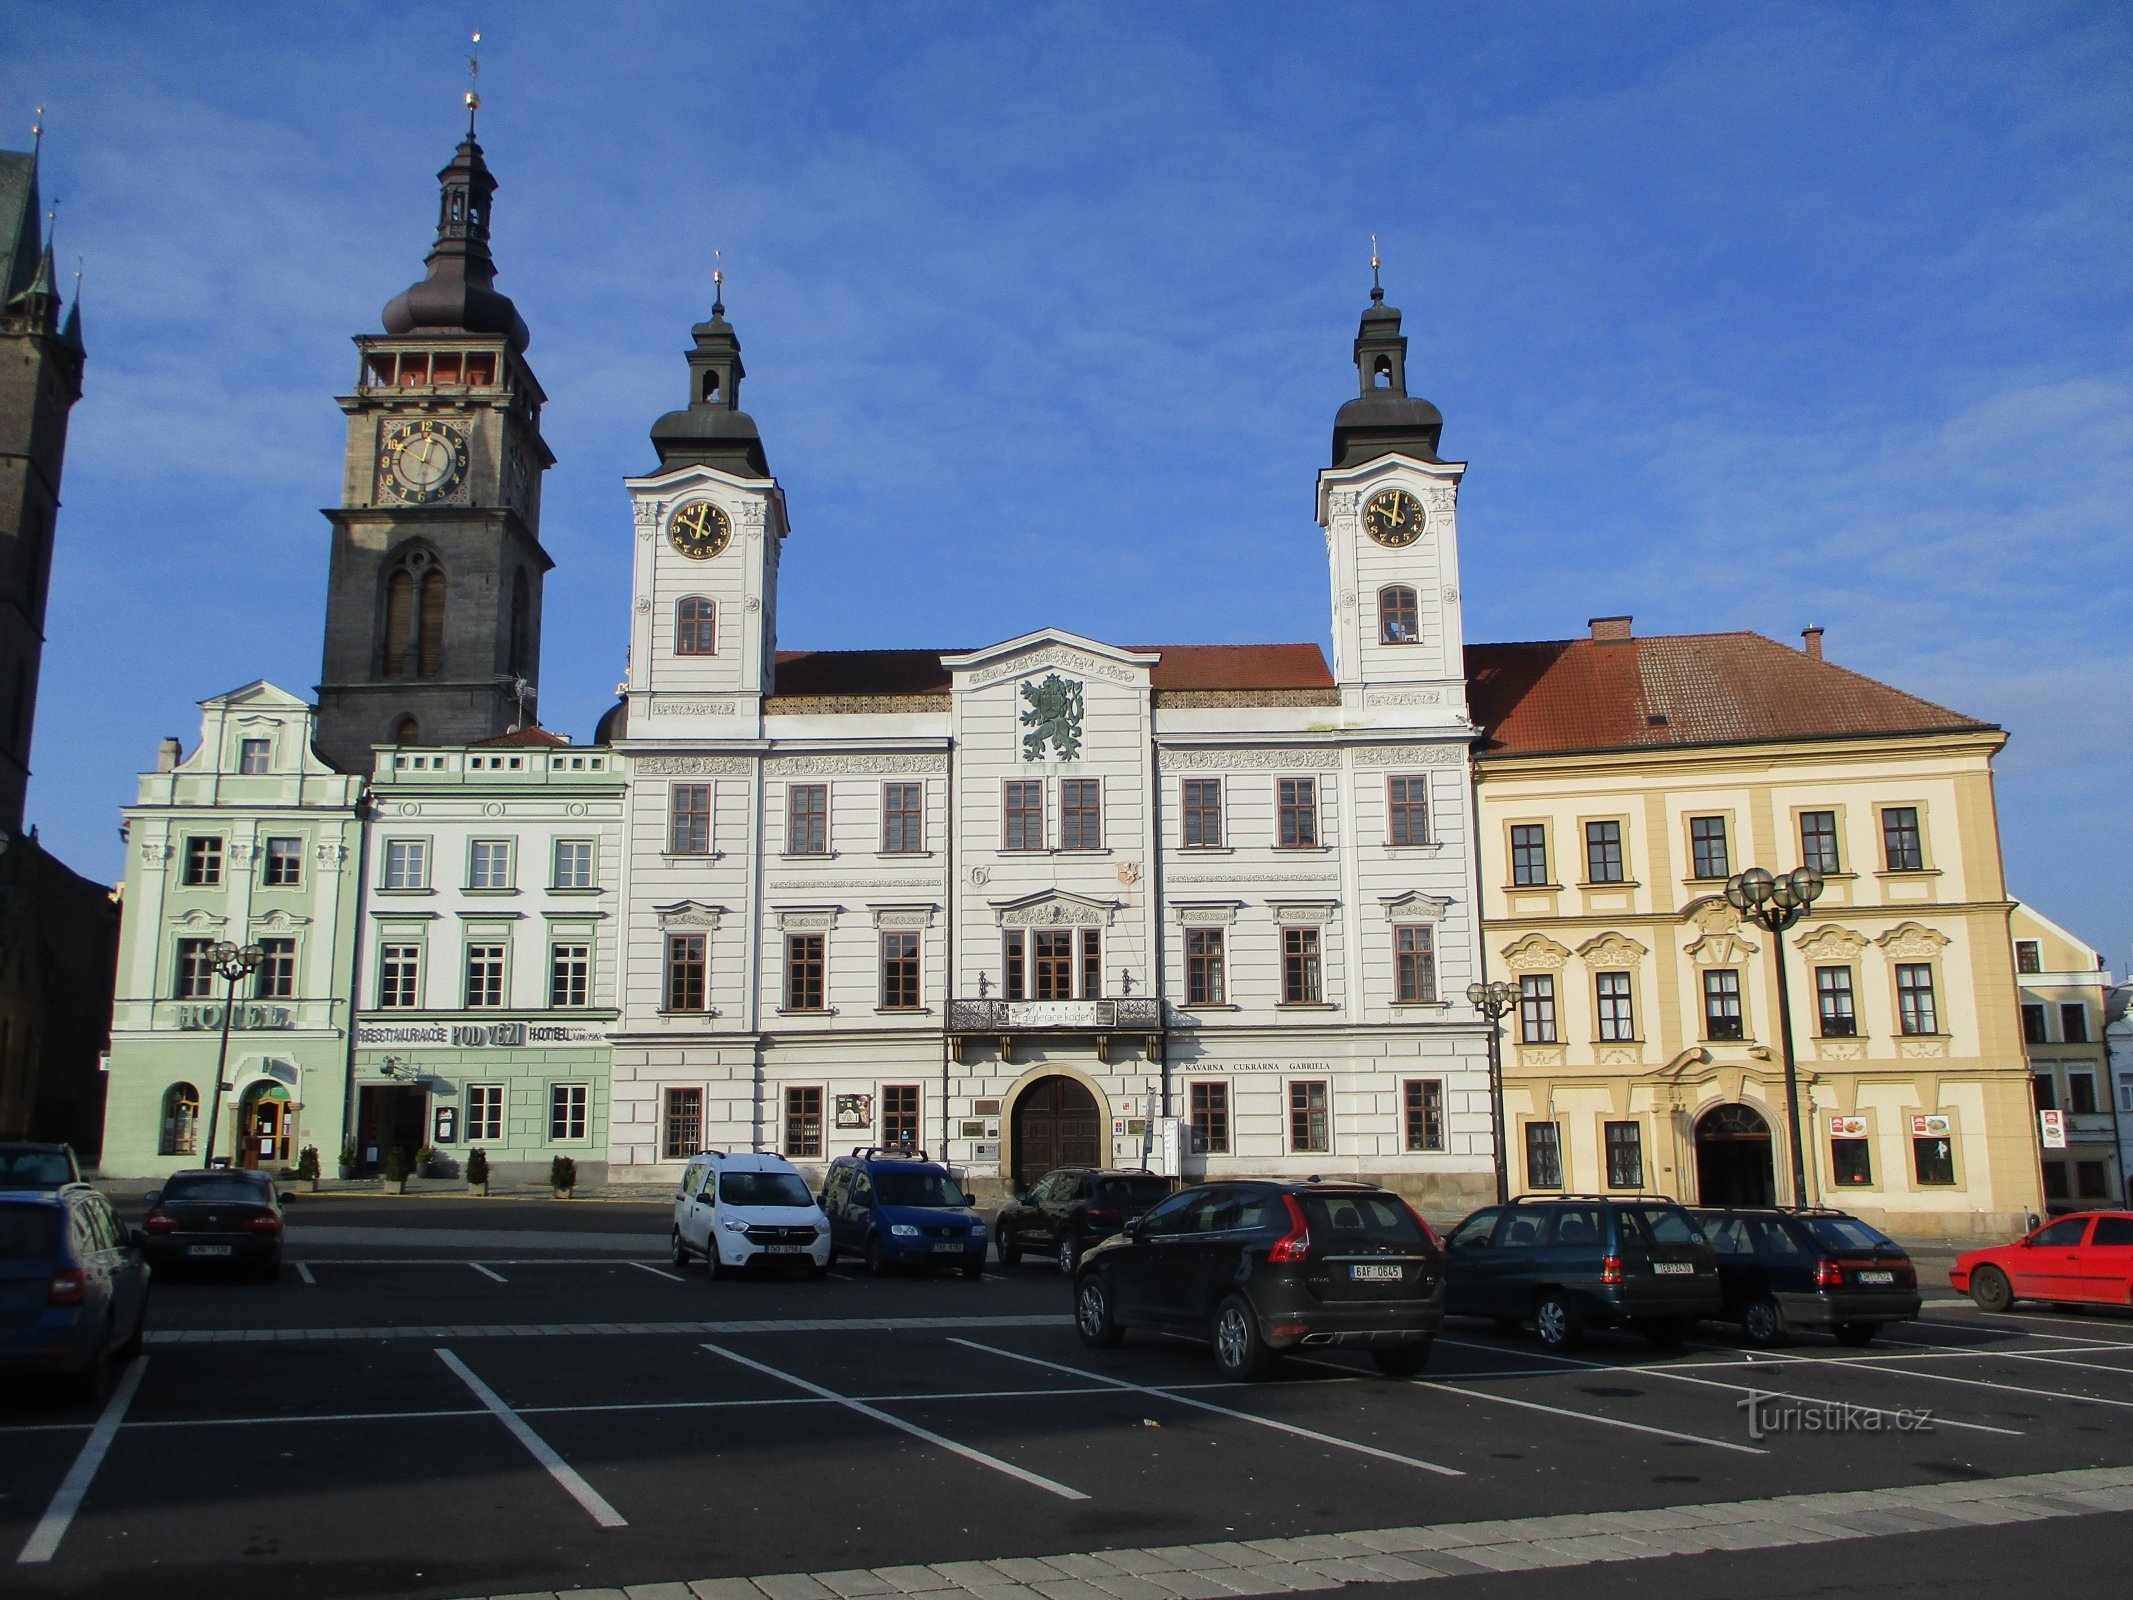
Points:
x=1053 y=718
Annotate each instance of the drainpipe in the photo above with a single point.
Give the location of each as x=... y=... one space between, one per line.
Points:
x=950 y=881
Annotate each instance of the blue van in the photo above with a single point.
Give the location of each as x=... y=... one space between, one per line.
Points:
x=892 y=1207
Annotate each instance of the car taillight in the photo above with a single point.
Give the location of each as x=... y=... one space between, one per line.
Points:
x=1610 y=1269
x=265 y=1222
x=70 y=1286
x=160 y=1222
x=1295 y=1245
x=1102 y=1216
x=1828 y=1275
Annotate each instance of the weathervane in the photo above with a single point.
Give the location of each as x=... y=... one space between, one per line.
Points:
x=1377 y=289
x=37 y=135
x=718 y=284
x=473 y=87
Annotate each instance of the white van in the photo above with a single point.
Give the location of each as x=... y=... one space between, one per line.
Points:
x=734 y=1209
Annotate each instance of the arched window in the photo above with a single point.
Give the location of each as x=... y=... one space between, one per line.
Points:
x=407 y=731
x=430 y=647
x=710 y=387
x=1381 y=373
x=181 y=1121
x=695 y=627
x=1399 y=620
x=413 y=628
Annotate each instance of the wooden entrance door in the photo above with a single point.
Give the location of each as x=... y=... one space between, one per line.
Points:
x=266 y=1122
x=1055 y=1125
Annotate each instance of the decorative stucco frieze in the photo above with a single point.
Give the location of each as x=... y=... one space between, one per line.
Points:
x=693 y=766
x=1912 y=941
x=858 y=764
x=1536 y=952
x=1248 y=758
x=1056 y=656
x=1409 y=755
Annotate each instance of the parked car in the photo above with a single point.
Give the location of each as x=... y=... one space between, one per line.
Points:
x=892 y=1207
x=220 y=1217
x=1260 y=1267
x=1782 y=1270
x=73 y=1287
x=2085 y=1259
x=1567 y=1263
x=28 y=1165
x=1068 y=1210
x=746 y=1209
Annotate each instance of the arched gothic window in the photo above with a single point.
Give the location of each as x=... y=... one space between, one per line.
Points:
x=1399 y=618
x=414 y=616
x=695 y=626
x=407 y=731
x=521 y=625
x=181 y=1121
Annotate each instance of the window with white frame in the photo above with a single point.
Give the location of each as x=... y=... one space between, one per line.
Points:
x=569 y=974
x=489 y=864
x=282 y=866
x=1916 y=1011
x=407 y=864
x=568 y=1108
x=1310 y=1130
x=399 y=976
x=1536 y=1008
x=485 y=975
x=254 y=756
x=1407 y=809
x=1414 y=955
x=485 y=1112
x=573 y=864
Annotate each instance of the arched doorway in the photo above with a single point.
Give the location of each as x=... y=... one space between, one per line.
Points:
x=266 y=1121
x=1056 y=1124
x=1733 y=1158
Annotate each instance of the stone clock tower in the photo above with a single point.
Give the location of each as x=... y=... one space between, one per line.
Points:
x=433 y=609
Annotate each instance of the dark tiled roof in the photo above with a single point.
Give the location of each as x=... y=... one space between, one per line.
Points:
x=1565 y=695
x=21 y=239
x=1183 y=666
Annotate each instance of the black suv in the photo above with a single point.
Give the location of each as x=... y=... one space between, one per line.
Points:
x=1571 y=1262
x=1068 y=1210
x=1811 y=1268
x=1259 y=1267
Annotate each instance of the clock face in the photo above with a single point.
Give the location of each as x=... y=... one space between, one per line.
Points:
x=700 y=531
x=424 y=461
x=1394 y=518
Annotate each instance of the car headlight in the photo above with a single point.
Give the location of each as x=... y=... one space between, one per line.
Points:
x=903 y=1230
x=733 y=1224
x=977 y=1230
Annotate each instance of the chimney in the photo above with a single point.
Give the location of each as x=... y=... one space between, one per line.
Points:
x=1609 y=627
x=1811 y=642
x=168 y=755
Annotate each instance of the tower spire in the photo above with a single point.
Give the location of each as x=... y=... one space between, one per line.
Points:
x=459 y=293
x=1377 y=289
x=473 y=85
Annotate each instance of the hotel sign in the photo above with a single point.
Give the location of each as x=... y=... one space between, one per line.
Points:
x=208 y=1018
x=473 y=1035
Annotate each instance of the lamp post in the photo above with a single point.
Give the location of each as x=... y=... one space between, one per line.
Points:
x=234 y=963
x=1776 y=902
x=1494 y=1001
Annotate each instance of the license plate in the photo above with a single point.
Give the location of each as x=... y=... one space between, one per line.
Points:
x=944 y=1247
x=207 y=1250
x=786 y=1249
x=1380 y=1273
x=1674 y=1269
x=1877 y=1277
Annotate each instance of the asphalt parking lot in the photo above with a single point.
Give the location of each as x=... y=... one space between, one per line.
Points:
x=450 y=1401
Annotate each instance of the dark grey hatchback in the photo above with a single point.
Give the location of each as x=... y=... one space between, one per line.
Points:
x=1260 y=1267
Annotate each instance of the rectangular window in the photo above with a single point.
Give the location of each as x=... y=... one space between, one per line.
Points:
x=1201 y=808
x=1081 y=814
x=1299 y=813
x=1851 y=1163
x=2081 y=1093
x=1707 y=847
x=1544 y=1156
x=803 y=1122
x=681 y=1130
x=569 y=975
x=573 y=864
x=1209 y=1103
x=2029 y=955
x=1721 y=1005
x=1407 y=810
x=1536 y=1008
x=485 y=1112
x=899 y=972
x=687 y=972
x=2074 y=1023
x=407 y=863
x=903 y=818
x=1625 y=1154
x=689 y=820
x=1915 y=1009
x=1206 y=984
x=1818 y=841
x=1092 y=964
x=1025 y=816
x=1900 y=841
x=1618 y=1016
x=900 y=1114
x=807 y=819
x=1422 y=1108
x=1603 y=852
x=1299 y=967
x=195 y=976
x=1833 y=995
x=2033 y=1025
x=2044 y=1089
x=399 y=976
x=489 y=864
x=1308 y=1131
x=696 y=627
x=277 y=969
x=1414 y=956
x=1933 y=1160
x=2092 y=1181
x=252 y=756
x=1529 y=853
x=803 y=971
x=1051 y=956
x=284 y=864
x=485 y=975
x=203 y=862
x=2055 y=1180
x=1014 y=985
x=567 y=1103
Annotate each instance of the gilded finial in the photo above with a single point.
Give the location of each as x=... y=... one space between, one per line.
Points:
x=718 y=284
x=1377 y=289
x=37 y=134
x=473 y=87
x=51 y=222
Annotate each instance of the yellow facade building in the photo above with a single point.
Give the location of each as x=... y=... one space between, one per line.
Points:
x=1622 y=781
x=2064 y=990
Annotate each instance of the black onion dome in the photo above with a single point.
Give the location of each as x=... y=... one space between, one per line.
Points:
x=1384 y=419
x=459 y=294
x=713 y=430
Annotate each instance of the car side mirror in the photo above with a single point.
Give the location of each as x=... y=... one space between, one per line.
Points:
x=154 y=1197
x=969 y=1199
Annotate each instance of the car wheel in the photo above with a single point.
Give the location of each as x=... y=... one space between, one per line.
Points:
x=132 y=1346
x=1009 y=1247
x=1856 y=1334
x=1762 y=1322
x=1665 y=1333
x=1092 y=1313
x=1241 y=1355
x=681 y=1250
x=877 y=1259
x=1991 y=1290
x=1556 y=1320
x=712 y=1264
x=1403 y=1360
x=1069 y=1255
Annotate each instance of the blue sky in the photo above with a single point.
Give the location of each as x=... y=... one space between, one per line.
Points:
x=1744 y=316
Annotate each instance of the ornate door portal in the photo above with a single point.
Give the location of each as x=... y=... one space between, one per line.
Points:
x=1055 y=1125
x=1733 y=1158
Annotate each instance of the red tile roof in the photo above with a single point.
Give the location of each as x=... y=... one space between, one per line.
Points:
x=1561 y=695
x=1183 y=666
x=524 y=736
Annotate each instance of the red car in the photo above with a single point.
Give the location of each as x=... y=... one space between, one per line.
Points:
x=2078 y=1260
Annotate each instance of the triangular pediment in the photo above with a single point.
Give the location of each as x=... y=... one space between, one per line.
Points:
x=1051 y=647
x=256 y=696
x=1054 y=908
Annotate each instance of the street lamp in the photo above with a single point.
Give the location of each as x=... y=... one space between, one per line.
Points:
x=1776 y=902
x=1494 y=1001
x=234 y=963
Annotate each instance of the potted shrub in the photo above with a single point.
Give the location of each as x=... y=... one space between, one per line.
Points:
x=562 y=1176
x=307 y=1165
x=478 y=1168
x=426 y=1162
x=351 y=1160
x=398 y=1164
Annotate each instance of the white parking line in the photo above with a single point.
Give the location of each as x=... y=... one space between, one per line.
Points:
x=659 y=1272
x=486 y=1273
x=1883 y=1368
x=2064 y=1357
x=1224 y=1411
x=52 y=1527
x=965 y=1451
x=303 y=1271
x=559 y=1469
